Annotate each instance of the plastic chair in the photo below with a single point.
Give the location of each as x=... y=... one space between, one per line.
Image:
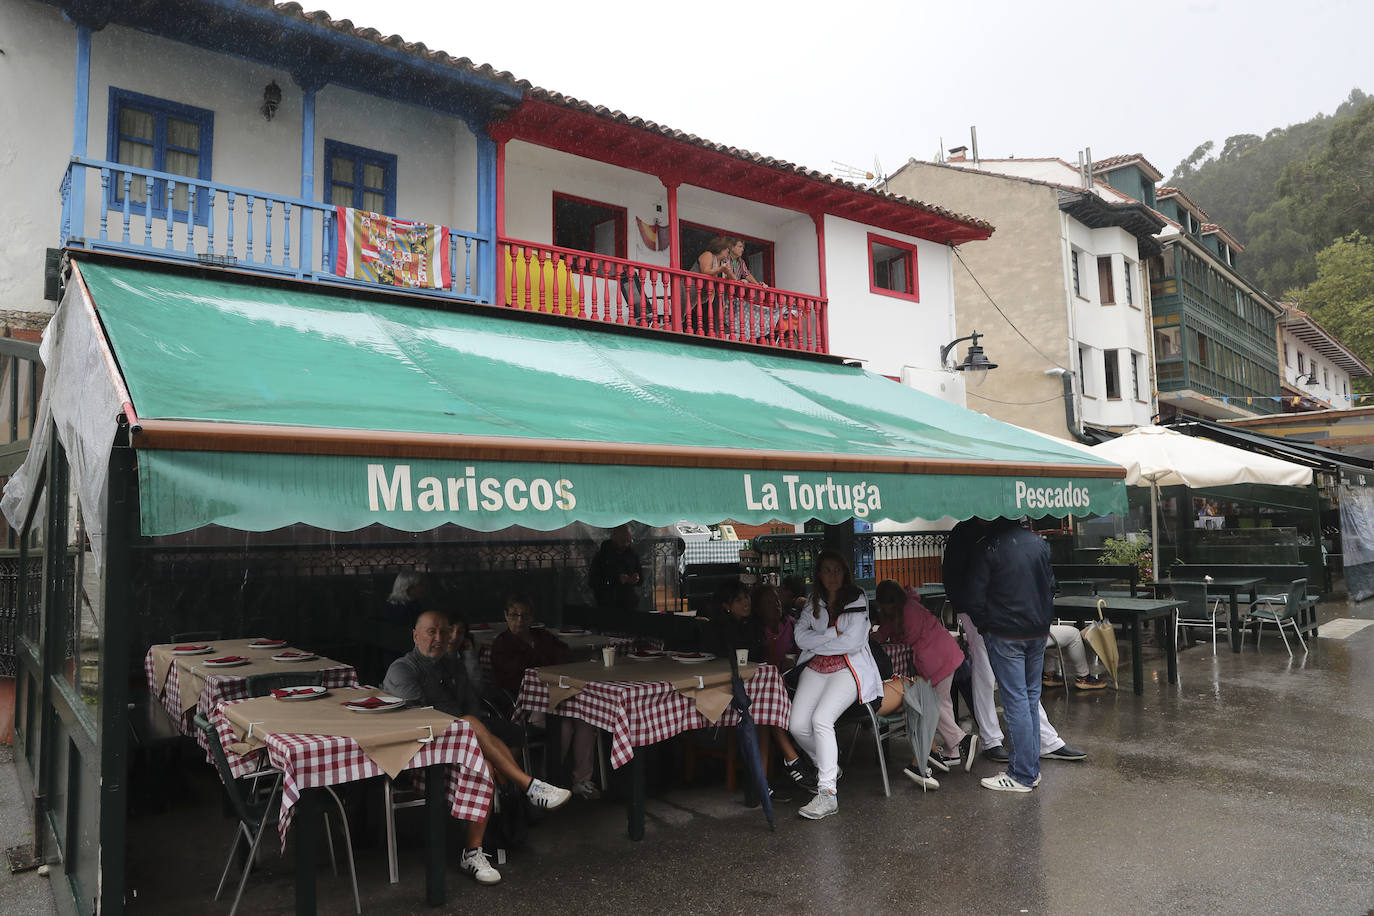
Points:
x=1197 y=613
x=1287 y=609
x=260 y=685
x=256 y=812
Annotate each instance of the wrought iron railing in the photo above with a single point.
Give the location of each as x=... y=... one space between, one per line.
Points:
x=545 y=278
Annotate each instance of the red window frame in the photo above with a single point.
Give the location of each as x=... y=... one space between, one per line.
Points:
x=913 y=273
x=622 y=215
x=764 y=245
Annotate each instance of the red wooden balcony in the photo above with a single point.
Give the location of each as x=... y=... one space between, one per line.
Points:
x=545 y=278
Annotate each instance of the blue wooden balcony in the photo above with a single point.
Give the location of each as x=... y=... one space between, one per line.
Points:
x=109 y=206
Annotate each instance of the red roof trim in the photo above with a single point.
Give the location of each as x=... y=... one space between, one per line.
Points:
x=611 y=137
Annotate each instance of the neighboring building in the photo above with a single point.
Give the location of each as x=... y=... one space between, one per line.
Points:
x=1065 y=270
x=1213 y=329
x=1316 y=367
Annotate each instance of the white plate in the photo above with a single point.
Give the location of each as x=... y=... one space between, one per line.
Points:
x=267 y=644
x=695 y=658
x=392 y=703
x=202 y=650
x=300 y=657
x=635 y=657
x=234 y=664
x=314 y=694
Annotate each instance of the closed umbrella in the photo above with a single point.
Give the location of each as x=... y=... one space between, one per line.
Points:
x=746 y=736
x=921 y=706
x=1101 y=635
x=1155 y=457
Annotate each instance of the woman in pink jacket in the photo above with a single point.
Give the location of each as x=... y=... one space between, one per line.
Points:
x=936 y=655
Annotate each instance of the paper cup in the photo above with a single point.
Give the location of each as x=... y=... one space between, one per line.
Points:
x=742 y=656
x=608 y=656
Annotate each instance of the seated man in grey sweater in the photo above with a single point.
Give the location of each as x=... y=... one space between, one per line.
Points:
x=428 y=676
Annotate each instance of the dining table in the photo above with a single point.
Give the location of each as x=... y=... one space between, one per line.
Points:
x=643 y=702
x=1233 y=587
x=321 y=742
x=184 y=684
x=1131 y=613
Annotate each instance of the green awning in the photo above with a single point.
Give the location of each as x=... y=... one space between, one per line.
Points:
x=263 y=406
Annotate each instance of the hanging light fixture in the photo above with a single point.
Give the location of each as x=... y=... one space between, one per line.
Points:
x=271 y=98
x=975 y=364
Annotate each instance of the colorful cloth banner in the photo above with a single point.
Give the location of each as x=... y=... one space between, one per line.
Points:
x=392 y=252
x=654 y=236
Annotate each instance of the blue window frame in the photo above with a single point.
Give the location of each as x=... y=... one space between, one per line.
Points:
x=360 y=178
x=162 y=136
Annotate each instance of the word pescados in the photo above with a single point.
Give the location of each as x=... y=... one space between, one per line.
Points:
x=859 y=498
x=468 y=493
x=1069 y=497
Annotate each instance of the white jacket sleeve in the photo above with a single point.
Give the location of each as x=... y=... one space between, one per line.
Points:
x=848 y=635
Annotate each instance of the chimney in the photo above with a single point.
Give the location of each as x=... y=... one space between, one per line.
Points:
x=958 y=153
x=1088 y=168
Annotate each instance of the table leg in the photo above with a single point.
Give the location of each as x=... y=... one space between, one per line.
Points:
x=1235 y=621
x=436 y=821
x=305 y=830
x=635 y=804
x=1137 y=661
x=1171 y=647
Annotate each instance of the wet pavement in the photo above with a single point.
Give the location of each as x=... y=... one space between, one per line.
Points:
x=1246 y=788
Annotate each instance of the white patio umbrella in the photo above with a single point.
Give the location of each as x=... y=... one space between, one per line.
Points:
x=1165 y=458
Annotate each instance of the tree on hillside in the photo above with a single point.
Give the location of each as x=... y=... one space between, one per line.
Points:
x=1331 y=194
x=1341 y=298
x=1188 y=167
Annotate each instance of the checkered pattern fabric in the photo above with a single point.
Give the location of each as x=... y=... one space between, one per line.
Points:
x=903 y=664
x=312 y=761
x=221 y=688
x=638 y=713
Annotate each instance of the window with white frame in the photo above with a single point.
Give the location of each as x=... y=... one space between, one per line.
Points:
x=1111 y=366
x=1083 y=371
x=1077 y=285
x=1130 y=290
x=1106 y=290
x=1137 y=375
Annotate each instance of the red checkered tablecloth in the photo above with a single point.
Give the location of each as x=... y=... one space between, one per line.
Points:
x=638 y=713
x=903 y=665
x=220 y=688
x=312 y=761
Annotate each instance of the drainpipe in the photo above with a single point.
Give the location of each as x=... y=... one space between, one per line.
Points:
x=1070 y=414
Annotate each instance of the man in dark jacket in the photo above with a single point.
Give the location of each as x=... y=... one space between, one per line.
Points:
x=1010 y=599
x=615 y=572
x=428 y=676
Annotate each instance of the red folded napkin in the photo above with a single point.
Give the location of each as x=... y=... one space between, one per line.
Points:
x=369 y=703
x=268 y=642
x=225 y=658
x=282 y=692
x=188 y=648
x=293 y=654
x=642 y=653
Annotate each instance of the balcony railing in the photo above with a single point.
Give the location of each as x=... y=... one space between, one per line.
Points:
x=545 y=278
x=173 y=217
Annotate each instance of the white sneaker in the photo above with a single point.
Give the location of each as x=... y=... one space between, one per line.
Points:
x=475 y=863
x=587 y=790
x=823 y=805
x=1004 y=783
x=543 y=795
x=925 y=782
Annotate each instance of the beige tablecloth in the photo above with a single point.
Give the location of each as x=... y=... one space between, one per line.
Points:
x=706 y=683
x=390 y=739
x=193 y=674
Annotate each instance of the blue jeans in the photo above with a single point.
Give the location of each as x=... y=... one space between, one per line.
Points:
x=1018 y=665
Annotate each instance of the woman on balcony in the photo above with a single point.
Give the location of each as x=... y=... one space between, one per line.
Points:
x=704 y=315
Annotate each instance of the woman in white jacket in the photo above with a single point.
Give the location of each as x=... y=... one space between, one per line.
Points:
x=838 y=669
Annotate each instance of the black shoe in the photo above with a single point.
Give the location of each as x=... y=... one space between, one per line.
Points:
x=801 y=775
x=1065 y=753
x=780 y=793
x=967 y=748
x=997 y=754
x=942 y=763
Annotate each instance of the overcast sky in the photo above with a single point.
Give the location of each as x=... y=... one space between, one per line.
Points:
x=817 y=83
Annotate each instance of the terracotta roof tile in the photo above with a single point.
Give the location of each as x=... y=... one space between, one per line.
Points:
x=1169 y=191
x=1116 y=162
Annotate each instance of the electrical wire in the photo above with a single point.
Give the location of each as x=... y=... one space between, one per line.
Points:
x=974 y=394
x=1051 y=361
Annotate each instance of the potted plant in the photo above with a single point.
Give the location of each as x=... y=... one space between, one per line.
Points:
x=1130 y=550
